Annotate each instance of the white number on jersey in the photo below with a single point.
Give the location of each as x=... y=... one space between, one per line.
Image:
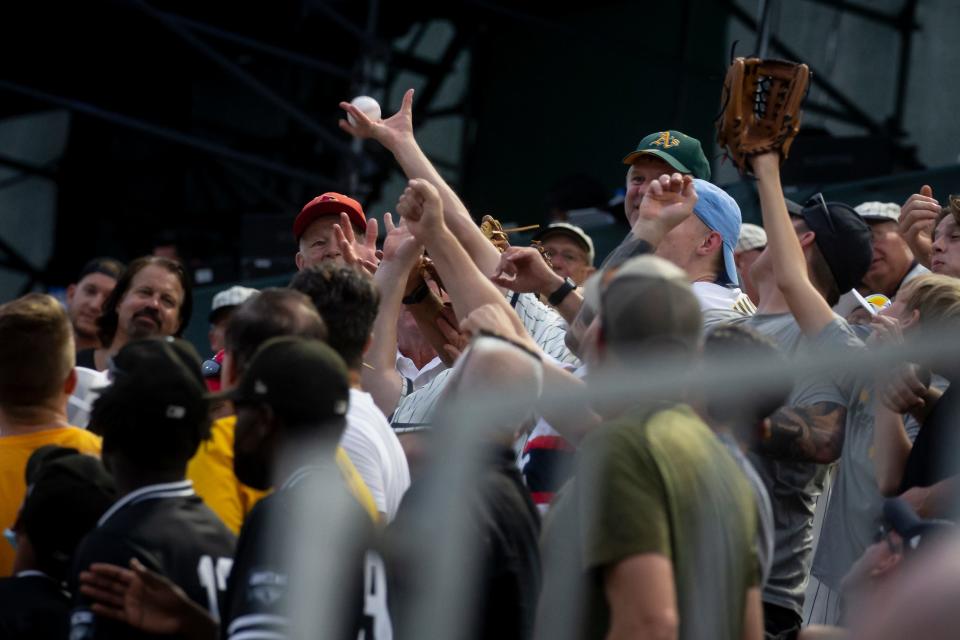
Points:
x=213 y=578
x=375 y=598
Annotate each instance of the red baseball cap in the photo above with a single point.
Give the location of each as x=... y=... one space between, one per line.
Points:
x=326 y=204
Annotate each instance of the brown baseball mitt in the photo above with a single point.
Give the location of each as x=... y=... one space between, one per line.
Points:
x=761 y=108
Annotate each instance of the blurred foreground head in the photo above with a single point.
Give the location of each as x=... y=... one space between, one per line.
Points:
x=647 y=309
x=36 y=357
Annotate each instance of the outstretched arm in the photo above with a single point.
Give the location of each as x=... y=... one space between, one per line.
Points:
x=468 y=288
x=668 y=202
x=396 y=135
x=401 y=251
x=789 y=265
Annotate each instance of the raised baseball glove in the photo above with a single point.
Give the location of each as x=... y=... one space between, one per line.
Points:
x=761 y=108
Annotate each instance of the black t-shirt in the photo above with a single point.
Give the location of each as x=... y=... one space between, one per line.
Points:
x=267 y=571
x=33 y=607
x=85 y=358
x=935 y=455
x=508 y=527
x=167 y=528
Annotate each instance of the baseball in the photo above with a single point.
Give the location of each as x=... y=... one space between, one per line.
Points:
x=369 y=106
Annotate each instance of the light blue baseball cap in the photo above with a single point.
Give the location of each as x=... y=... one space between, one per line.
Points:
x=720 y=212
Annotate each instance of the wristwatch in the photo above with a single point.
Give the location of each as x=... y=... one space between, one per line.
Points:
x=562 y=292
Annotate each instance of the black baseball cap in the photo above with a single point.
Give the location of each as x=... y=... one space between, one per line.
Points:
x=304 y=382
x=901 y=517
x=155 y=410
x=67 y=493
x=842 y=237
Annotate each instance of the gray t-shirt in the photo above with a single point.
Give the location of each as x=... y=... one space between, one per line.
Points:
x=795 y=486
x=855 y=505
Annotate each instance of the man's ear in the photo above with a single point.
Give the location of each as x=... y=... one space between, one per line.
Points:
x=70 y=384
x=712 y=243
x=71 y=291
x=806 y=238
x=886 y=565
x=910 y=320
x=299 y=260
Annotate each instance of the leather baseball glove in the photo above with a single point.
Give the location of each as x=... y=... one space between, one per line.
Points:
x=761 y=108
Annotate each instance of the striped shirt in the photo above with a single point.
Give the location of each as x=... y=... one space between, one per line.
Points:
x=416 y=406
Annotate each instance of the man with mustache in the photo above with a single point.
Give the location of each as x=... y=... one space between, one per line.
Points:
x=153 y=297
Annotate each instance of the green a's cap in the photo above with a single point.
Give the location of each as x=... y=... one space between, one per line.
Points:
x=680 y=151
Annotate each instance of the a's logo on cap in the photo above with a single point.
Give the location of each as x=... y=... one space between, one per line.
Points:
x=340 y=407
x=175 y=412
x=665 y=140
x=259 y=388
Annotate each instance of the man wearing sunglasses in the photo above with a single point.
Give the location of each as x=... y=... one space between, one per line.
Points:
x=814 y=253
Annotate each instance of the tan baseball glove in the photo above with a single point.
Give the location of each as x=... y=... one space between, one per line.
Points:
x=761 y=108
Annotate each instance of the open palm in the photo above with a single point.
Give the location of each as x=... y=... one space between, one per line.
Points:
x=399 y=244
x=389 y=132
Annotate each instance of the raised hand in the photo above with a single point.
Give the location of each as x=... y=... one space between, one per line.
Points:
x=356 y=253
x=400 y=245
x=141 y=598
x=523 y=269
x=669 y=200
x=917 y=218
x=390 y=132
x=421 y=208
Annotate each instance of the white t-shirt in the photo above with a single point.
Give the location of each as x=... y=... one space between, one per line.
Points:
x=80 y=404
x=375 y=451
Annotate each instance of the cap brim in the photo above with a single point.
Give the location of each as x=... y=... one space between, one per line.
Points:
x=731 y=266
x=873 y=218
x=549 y=231
x=663 y=155
x=326 y=208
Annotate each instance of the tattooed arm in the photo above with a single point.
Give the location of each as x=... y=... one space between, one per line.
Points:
x=812 y=433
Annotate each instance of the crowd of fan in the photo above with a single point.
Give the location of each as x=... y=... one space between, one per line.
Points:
x=818 y=505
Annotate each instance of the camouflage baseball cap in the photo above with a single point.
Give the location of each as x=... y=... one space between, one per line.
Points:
x=680 y=151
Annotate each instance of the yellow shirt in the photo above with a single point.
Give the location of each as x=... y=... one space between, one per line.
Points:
x=15 y=450
x=214 y=480
x=211 y=471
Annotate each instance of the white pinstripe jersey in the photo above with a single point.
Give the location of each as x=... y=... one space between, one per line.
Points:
x=544 y=325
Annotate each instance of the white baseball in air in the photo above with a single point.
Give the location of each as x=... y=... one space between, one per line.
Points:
x=369 y=106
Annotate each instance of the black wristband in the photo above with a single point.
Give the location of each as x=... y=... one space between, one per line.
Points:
x=562 y=292
x=418 y=294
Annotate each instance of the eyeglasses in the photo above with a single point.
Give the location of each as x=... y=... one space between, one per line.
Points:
x=816 y=200
x=210 y=369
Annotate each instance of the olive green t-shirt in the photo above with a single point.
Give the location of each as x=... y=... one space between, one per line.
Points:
x=659 y=481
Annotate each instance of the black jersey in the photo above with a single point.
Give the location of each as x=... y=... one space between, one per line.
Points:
x=507 y=526
x=167 y=528
x=260 y=591
x=33 y=606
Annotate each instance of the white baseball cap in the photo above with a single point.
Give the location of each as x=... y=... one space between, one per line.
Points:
x=878 y=211
x=231 y=297
x=751 y=237
x=571 y=231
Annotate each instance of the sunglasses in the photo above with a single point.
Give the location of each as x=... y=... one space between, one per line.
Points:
x=817 y=200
